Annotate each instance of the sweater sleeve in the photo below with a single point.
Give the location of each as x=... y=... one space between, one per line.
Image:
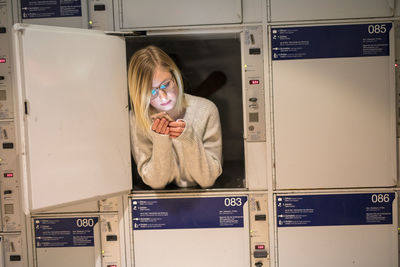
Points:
x=204 y=152
x=154 y=157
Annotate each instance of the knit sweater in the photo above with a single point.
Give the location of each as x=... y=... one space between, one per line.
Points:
x=193 y=158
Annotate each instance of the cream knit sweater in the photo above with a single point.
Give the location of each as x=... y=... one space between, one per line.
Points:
x=194 y=158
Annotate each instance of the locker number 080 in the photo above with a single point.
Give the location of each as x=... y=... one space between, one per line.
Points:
x=85 y=222
x=377 y=28
x=233 y=202
x=380 y=198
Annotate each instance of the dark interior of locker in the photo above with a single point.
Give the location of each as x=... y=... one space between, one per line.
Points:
x=211 y=68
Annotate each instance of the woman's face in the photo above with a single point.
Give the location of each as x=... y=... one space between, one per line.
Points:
x=164 y=90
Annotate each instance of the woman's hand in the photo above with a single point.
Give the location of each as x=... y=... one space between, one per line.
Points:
x=160 y=123
x=176 y=128
x=160 y=126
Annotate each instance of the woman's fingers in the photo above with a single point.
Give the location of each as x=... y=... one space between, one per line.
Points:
x=155 y=124
x=171 y=128
x=181 y=124
x=176 y=128
x=164 y=126
x=161 y=125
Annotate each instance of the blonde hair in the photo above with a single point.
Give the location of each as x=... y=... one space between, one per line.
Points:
x=142 y=66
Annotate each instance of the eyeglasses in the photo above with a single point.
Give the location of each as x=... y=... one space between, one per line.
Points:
x=167 y=86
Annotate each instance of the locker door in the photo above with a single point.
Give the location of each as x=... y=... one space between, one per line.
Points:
x=72 y=117
x=287 y=10
x=335 y=124
x=337 y=229
x=67 y=241
x=206 y=230
x=136 y=14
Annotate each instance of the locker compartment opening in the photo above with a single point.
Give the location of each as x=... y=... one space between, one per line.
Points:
x=211 y=68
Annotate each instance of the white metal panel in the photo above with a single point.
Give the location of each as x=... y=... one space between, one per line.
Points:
x=256 y=165
x=64 y=257
x=154 y=13
x=333 y=246
x=75 y=138
x=87 y=206
x=335 y=123
x=288 y=10
x=253 y=10
x=101 y=19
x=192 y=247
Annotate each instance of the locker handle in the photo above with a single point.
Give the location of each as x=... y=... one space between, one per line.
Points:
x=26 y=108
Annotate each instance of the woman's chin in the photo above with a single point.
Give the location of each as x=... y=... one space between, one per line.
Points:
x=166 y=108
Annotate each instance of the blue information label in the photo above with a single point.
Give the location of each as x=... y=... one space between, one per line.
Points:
x=35 y=9
x=184 y=213
x=355 y=40
x=335 y=209
x=65 y=232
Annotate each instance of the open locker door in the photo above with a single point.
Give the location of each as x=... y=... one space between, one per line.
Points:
x=72 y=115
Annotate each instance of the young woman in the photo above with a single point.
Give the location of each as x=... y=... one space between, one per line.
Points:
x=175 y=137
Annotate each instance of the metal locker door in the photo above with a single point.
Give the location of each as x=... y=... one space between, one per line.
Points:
x=67 y=241
x=287 y=10
x=72 y=119
x=335 y=118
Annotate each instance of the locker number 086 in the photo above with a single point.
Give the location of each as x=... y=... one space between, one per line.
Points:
x=377 y=28
x=380 y=198
x=233 y=202
x=85 y=222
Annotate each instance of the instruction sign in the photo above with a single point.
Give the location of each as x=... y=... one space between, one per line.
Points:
x=334 y=209
x=35 y=9
x=64 y=232
x=184 y=213
x=333 y=41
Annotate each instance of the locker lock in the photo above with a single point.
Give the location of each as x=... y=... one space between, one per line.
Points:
x=15 y=258
x=99 y=7
x=8 y=145
x=260 y=254
x=112 y=238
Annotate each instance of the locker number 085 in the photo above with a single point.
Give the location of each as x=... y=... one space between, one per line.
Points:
x=233 y=202
x=85 y=222
x=377 y=28
x=380 y=198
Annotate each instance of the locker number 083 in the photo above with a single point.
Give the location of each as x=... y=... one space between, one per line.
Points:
x=85 y=222
x=380 y=198
x=233 y=202
x=376 y=28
